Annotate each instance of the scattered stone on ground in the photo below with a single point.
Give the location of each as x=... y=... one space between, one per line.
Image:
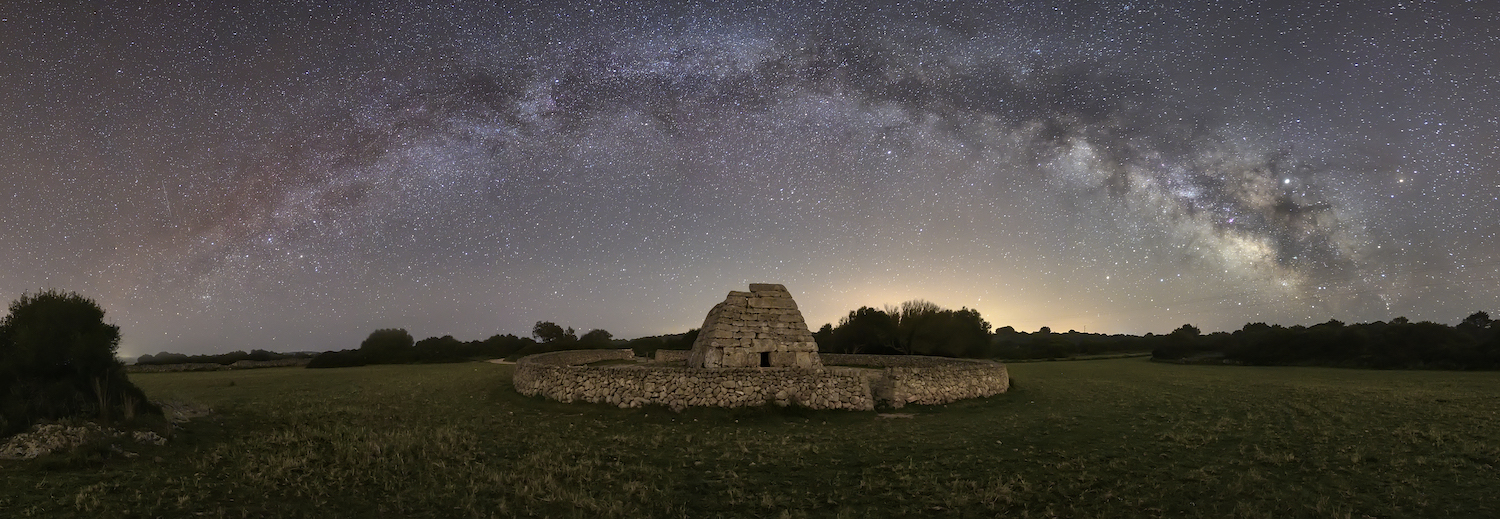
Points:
x=896 y=415
x=46 y=438
x=179 y=412
x=54 y=437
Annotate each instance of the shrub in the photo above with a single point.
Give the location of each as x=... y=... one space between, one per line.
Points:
x=388 y=346
x=57 y=360
x=337 y=359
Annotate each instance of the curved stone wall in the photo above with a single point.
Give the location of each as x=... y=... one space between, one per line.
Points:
x=889 y=380
x=672 y=355
x=916 y=379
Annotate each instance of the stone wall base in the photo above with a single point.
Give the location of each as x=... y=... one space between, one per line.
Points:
x=882 y=380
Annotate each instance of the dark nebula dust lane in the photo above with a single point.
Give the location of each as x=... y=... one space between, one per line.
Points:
x=291 y=177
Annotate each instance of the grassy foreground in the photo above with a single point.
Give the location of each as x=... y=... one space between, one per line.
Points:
x=1105 y=438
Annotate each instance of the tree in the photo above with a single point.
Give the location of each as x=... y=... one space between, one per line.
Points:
x=439 y=349
x=915 y=327
x=57 y=360
x=916 y=320
x=549 y=333
x=1188 y=331
x=866 y=330
x=1479 y=320
x=824 y=337
x=685 y=341
x=968 y=334
x=501 y=346
x=596 y=339
x=387 y=345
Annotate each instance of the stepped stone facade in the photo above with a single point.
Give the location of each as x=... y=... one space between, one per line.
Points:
x=759 y=328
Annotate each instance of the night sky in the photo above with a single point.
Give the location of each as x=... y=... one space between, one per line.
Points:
x=293 y=176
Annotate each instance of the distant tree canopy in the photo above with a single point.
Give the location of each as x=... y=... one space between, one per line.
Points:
x=388 y=343
x=392 y=346
x=551 y=333
x=216 y=358
x=57 y=360
x=647 y=346
x=1473 y=344
x=916 y=327
x=922 y=328
x=596 y=339
x=395 y=346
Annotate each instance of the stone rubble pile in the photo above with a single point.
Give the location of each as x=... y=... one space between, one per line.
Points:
x=49 y=438
x=54 y=437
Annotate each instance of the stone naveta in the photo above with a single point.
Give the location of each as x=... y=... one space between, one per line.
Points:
x=759 y=328
x=755 y=349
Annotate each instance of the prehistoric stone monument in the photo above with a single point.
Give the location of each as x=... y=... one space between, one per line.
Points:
x=759 y=328
x=755 y=349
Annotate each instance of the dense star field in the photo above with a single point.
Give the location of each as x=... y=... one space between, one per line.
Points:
x=293 y=176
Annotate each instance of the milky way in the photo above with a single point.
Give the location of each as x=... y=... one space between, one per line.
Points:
x=293 y=177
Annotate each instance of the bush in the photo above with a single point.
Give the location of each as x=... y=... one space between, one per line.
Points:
x=337 y=359
x=165 y=358
x=57 y=360
x=388 y=346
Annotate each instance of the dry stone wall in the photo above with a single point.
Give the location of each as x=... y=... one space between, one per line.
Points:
x=559 y=376
x=671 y=355
x=915 y=379
x=888 y=380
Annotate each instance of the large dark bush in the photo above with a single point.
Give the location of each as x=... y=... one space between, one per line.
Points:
x=388 y=346
x=916 y=327
x=57 y=360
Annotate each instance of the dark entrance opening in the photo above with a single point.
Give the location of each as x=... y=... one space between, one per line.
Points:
x=765 y=359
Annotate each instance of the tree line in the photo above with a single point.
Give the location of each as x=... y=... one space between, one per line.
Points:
x=919 y=327
x=397 y=346
x=216 y=358
x=1473 y=344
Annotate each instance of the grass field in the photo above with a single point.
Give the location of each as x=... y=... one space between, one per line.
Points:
x=1103 y=438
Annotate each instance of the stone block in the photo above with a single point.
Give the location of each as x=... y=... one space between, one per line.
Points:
x=768 y=287
x=775 y=303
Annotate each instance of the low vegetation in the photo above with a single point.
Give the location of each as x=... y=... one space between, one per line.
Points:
x=1473 y=344
x=168 y=358
x=57 y=361
x=1101 y=438
x=920 y=327
x=396 y=346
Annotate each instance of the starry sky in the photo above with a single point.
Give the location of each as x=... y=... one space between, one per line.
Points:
x=293 y=175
